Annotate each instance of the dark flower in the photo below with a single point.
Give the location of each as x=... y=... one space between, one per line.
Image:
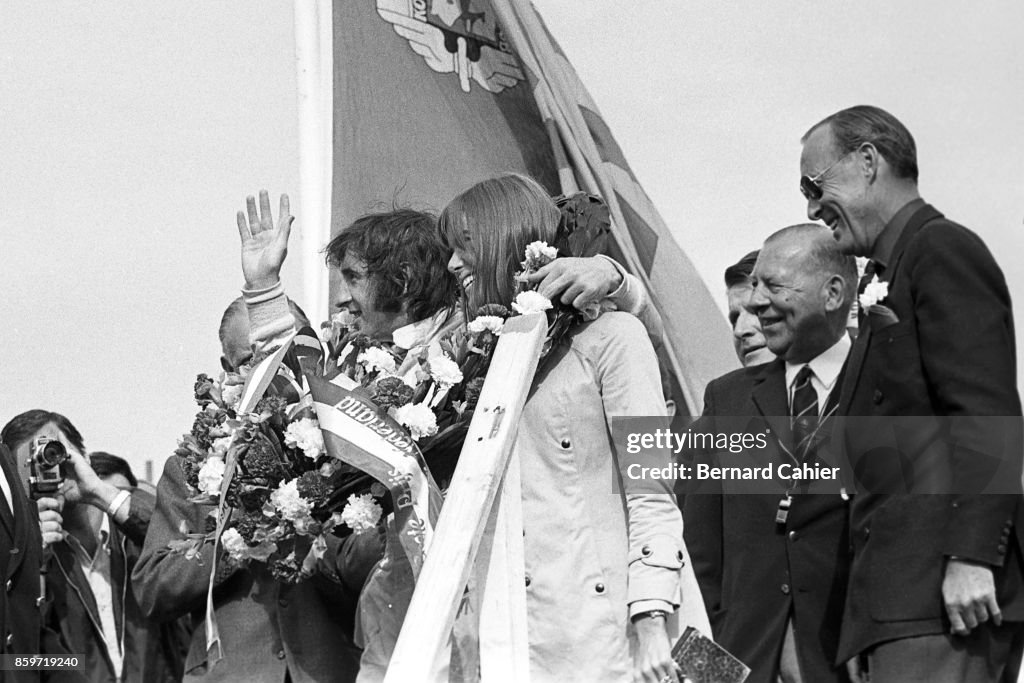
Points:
x=246 y=496
x=286 y=570
x=202 y=389
x=493 y=309
x=272 y=404
x=248 y=524
x=261 y=461
x=204 y=422
x=392 y=392
x=473 y=392
x=314 y=488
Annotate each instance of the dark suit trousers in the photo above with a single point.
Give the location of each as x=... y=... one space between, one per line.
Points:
x=990 y=654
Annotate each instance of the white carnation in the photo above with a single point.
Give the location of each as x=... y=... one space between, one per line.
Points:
x=288 y=503
x=539 y=254
x=361 y=513
x=234 y=545
x=418 y=418
x=305 y=434
x=875 y=291
x=531 y=302
x=211 y=476
x=220 y=445
x=488 y=323
x=231 y=394
x=445 y=371
x=376 y=358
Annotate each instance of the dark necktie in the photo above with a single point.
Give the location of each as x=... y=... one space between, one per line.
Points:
x=804 y=412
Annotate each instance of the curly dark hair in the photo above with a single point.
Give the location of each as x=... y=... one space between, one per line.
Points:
x=405 y=258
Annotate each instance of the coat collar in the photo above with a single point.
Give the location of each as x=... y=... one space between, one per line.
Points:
x=20 y=509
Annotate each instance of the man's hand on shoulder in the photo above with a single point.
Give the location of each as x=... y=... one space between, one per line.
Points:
x=969 y=594
x=577 y=281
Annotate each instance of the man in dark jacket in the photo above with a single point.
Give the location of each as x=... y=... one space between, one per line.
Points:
x=95 y=540
x=772 y=566
x=936 y=582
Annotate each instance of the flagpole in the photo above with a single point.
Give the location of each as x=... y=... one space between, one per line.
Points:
x=314 y=80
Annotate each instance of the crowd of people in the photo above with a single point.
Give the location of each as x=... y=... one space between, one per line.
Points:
x=858 y=583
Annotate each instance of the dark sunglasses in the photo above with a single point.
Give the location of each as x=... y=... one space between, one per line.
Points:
x=811 y=187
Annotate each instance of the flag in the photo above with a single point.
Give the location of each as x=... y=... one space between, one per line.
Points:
x=431 y=96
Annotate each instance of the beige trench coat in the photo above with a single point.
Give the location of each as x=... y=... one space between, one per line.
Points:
x=593 y=556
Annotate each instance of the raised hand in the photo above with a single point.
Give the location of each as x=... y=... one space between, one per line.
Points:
x=264 y=245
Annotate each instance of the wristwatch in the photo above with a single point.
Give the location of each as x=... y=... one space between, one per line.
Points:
x=651 y=614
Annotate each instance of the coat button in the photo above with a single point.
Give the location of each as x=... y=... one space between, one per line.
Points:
x=599 y=588
x=9 y=585
x=9 y=640
x=1002 y=549
x=565 y=443
x=646 y=551
x=527 y=579
x=793 y=535
x=283 y=602
x=867 y=532
x=876 y=397
x=785 y=589
x=279 y=654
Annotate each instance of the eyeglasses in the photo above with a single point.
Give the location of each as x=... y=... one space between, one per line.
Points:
x=811 y=188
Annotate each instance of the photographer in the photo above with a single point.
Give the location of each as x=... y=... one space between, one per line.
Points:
x=93 y=526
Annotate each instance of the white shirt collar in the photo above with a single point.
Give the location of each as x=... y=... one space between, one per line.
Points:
x=826 y=366
x=420 y=332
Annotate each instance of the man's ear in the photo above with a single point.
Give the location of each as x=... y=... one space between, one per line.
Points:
x=835 y=293
x=225 y=364
x=870 y=160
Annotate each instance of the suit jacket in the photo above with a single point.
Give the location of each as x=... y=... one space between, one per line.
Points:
x=25 y=626
x=266 y=627
x=753 y=572
x=947 y=351
x=153 y=651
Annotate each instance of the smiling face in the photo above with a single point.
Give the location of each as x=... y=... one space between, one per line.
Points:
x=790 y=301
x=356 y=294
x=747 y=338
x=845 y=205
x=463 y=266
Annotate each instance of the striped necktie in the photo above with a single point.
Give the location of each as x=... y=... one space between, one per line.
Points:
x=804 y=412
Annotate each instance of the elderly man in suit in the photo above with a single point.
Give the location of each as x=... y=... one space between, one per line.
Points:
x=270 y=632
x=772 y=566
x=935 y=587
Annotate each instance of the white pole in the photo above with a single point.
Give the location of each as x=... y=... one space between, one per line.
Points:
x=314 y=71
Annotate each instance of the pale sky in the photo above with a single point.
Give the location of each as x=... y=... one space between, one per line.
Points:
x=133 y=131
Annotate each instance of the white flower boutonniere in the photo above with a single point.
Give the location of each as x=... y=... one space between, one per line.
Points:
x=875 y=292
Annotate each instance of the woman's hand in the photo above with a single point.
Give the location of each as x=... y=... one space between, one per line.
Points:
x=264 y=246
x=653 y=661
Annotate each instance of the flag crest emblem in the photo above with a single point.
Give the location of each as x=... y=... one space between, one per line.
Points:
x=456 y=36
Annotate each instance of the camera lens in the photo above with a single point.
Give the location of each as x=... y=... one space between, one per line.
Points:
x=52 y=454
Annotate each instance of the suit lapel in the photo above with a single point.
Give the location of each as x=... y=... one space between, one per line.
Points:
x=22 y=512
x=856 y=363
x=769 y=396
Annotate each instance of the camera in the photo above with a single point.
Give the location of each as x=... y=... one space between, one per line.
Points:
x=46 y=465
